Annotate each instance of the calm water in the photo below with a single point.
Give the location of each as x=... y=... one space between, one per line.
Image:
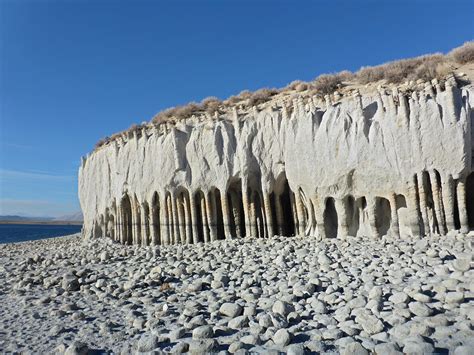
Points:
x=10 y=233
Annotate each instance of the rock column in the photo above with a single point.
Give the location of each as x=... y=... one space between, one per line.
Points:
x=461 y=195
x=448 y=201
x=437 y=202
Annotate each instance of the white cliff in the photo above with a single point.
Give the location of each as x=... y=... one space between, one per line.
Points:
x=385 y=162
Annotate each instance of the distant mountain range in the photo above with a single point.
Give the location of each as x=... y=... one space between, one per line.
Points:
x=74 y=217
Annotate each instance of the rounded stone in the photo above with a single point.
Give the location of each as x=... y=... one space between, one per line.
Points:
x=203 y=332
x=282 y=337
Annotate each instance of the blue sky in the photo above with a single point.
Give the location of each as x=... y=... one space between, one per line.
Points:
x=74 y=71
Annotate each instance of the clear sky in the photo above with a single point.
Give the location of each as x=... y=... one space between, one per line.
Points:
x=74 y=71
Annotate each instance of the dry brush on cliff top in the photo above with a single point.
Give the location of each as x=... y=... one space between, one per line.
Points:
x=426 y=67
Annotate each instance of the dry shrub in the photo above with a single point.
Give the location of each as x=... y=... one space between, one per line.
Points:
x=425 y=67
x=328 y=83
x=185 y=111
x=243 y=95
x=261 y=96
x=463 y=54
x=211 y=104
x=298 y=85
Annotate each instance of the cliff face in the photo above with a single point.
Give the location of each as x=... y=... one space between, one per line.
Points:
x=375 y=164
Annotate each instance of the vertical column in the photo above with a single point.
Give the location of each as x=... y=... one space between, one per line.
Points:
x=174 y=207
x=371 y=210
x=133 y=237
x=413 y=208
x=212 y=214
x=164 y=233
x=245 y=203
x=343 y=228
x=154 y=225
x=268 y=215
x=393 y=209
x=236 y=213
x=461 y=195
x=144 y=222
x=437 y=202
x=225 y=215
x=293 y=212
x=316 y=216
x=253 y=217
x=118 y=228
x=279 y=215
x=300 y=213
x=205 y=218
x=171 y=221
x=181 y=218
x=423 y=206
x=187 y=221
x=194 y=217
x=448 y=201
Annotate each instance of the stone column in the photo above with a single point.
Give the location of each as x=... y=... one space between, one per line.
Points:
x=437 y=202
x=174 y=206
x=423 y=206
x=461 y=195
x=253 y=217
x=205 y=219
x=171 y=221
x=279 y=215
x=236 y=213
x=319 y=207
x=448 y=201
x=225 y=215
x=164 y=232
x=144 y=222
x=268 y=215
x=118 y=225
x=187 y=221
x=293 y=212
x=371 y=211
x=300 y=213
x=134 y=224
x=194 y=217
x=212 y=214
x=343 y=228
x=392 y=198
x=245 y=203
x=181 y=219
x=413 y=209
x=154 y=227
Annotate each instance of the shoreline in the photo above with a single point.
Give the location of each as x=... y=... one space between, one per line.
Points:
x=34 y=222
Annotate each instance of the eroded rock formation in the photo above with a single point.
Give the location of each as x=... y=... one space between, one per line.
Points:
x=387 y=162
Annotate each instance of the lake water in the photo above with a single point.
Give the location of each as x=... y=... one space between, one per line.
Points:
x=10 y=233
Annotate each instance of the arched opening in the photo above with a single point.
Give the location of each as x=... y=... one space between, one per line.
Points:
x=236 y=207
x=126 y=208
x=426 y=181
x=155 y=216
x=257 y=215
x=383 y=215
x=470 y=200
x=201 y=216
x=283 y=207
x=216 y=194
x=352 y=215
x=330 y=218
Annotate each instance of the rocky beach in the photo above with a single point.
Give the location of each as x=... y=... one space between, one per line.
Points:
x=294 y=295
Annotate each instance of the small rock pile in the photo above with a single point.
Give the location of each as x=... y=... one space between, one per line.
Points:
x=295 y=295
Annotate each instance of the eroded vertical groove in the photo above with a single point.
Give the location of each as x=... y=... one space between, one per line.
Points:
x=448 y=201
x=437 y=202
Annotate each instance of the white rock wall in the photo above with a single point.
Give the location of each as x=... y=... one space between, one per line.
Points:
x=371 y=165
